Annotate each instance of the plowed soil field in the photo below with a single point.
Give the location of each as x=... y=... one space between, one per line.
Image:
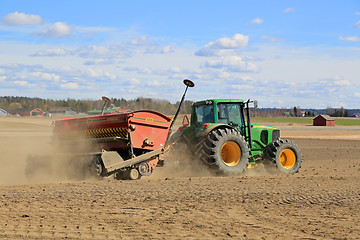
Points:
x=320 y=202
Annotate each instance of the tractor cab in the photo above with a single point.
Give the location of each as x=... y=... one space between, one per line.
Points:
x=231 y=112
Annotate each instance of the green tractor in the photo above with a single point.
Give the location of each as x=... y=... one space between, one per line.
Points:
x=221 y=135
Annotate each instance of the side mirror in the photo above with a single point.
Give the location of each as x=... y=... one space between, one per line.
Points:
x=185 y=121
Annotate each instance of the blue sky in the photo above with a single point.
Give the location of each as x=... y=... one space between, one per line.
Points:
x=282 y=53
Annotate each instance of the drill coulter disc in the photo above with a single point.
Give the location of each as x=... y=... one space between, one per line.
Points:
x=144 y=169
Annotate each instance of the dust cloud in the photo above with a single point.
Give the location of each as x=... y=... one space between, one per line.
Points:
x=15 y=150
x=30 y=156
x=181 y=165
x=66 y=161
x=33 y=158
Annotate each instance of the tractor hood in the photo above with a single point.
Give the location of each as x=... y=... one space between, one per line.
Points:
x=262 y=126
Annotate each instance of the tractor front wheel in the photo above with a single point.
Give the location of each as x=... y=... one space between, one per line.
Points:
x=225 y=151
x=283 y=156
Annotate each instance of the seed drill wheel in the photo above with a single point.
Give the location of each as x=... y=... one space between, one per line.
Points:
x=133 y=174
x=283 y=156
x=225 y=151
x=128 y=174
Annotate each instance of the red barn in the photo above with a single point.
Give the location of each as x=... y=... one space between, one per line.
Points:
x=28 y=112
x=323 y=120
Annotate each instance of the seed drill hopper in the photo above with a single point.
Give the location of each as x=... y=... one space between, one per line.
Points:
x=127 y=144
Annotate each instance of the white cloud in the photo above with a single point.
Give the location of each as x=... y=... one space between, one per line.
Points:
x=237 y=41
x=350 y=39
x=157 y=49
x=357 y=94
x=17 y=18
x=144 y=70
x=231 y=64
x=224 y=75
x=110 y=76
x=252 y=58
x=357 y=25
x=69 y=86
x=256 y=21
x=271 y=38
x=56 y=30
x=207 y=52
x=326 y=87
x=93 y=51
x=243 y=87
x=134 y=81
x=342 y=83
x=51 y=52
x=99 y=61
x=93 y=73
x=44 y=76
x=100 y=55
x=153 y=94
x=220 y=46
x=155 y=83
x=98 y=74
x=166 y=49
x=357 y=13
x=2 y=78
x=152 y=49
x=133 y=91
x=68 y=70
x=339 y=81
x=102 y=52
x=175 y=70
x=139 y=41
x=24 y=84
x=287 y=10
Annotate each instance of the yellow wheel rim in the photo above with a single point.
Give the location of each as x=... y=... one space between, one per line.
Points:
x=287 y=158
x=230 y=154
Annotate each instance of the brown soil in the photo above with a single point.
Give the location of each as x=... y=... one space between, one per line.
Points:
x=320 y=202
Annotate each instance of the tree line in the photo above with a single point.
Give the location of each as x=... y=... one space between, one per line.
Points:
x=10 y=103
x=83 y=106
x=297 y=111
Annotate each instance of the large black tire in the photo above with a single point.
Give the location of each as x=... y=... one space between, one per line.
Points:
x=282 y=156
x=225 y=151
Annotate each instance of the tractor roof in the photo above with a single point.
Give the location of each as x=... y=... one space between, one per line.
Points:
x=218 y=101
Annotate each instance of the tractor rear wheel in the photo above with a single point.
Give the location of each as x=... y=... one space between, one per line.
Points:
x=225 y=151
x=283 y=156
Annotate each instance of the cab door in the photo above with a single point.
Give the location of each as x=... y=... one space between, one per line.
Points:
x=230 y=113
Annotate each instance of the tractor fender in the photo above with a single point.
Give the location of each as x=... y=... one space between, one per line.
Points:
x=204 y=132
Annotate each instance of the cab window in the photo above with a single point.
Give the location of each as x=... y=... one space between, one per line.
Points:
x=230 y=113
x=204 y=114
